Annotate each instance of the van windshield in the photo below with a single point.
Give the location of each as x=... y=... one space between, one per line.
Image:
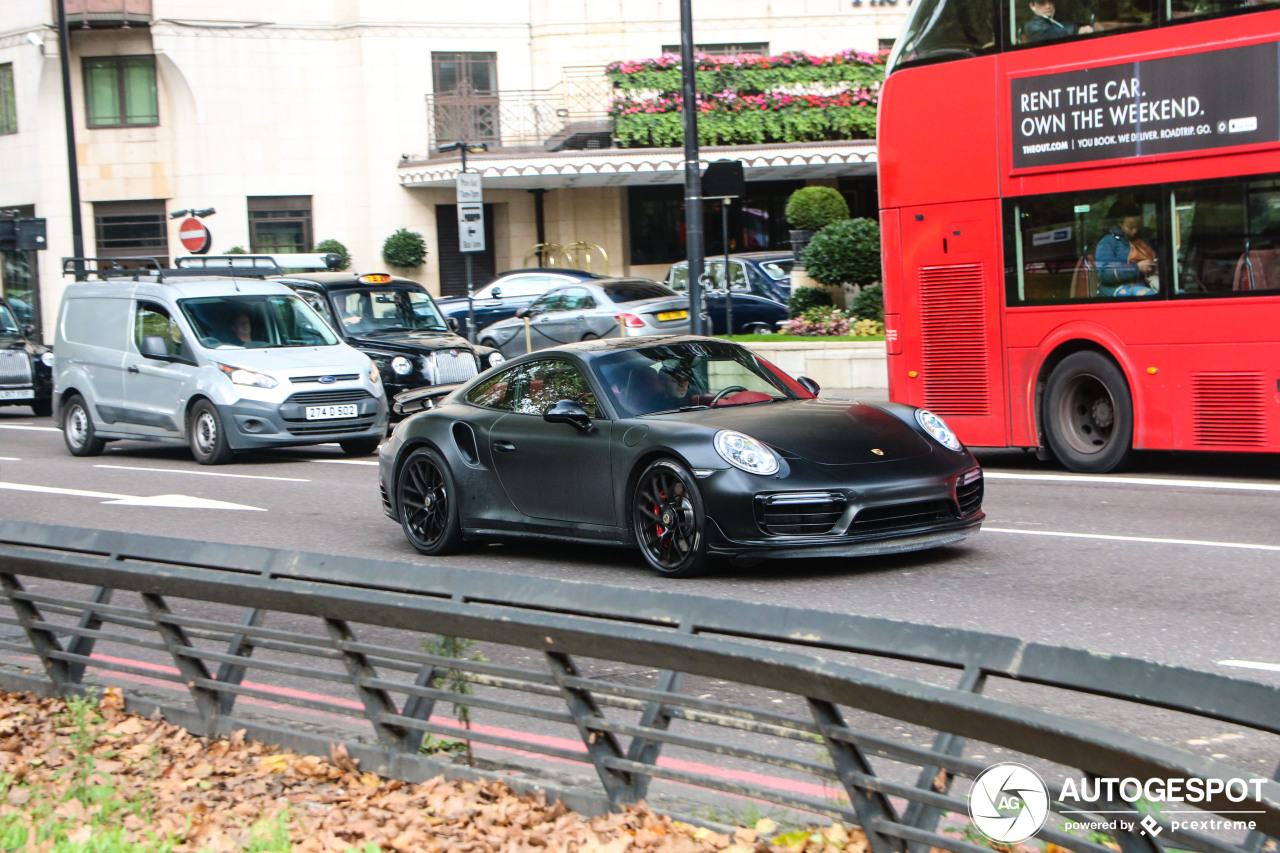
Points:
x=245 y=322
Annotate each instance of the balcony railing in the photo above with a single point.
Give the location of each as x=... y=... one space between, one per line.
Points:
x=106 y=13
x=572 y=115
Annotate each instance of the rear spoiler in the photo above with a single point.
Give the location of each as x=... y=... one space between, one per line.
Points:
x=420 y=399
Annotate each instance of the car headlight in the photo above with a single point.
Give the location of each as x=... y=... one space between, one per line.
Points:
x=401 y=365
x=938 y=428
x=374 y=376
x=47 y=359
x=743 y=451
x=242 y=376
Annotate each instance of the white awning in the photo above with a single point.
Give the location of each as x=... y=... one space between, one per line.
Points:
x=612 y=167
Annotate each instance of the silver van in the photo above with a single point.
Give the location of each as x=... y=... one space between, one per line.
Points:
x=221 y=360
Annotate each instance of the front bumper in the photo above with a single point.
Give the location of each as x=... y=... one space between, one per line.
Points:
x=253 y=424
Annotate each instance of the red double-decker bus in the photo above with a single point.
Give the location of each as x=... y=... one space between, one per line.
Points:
x=1081 y=224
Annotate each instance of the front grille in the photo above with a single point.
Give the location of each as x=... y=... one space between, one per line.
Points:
x=329 y=398
x=453 y=366
x=15 y=368
x=969 y=494
x=799 y=513
x=337 y=377
x=886 y=519
x=333 y=427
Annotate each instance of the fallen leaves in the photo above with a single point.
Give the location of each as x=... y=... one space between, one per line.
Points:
x=213 y=795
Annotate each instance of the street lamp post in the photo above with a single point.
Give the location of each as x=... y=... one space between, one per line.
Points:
x=694 y=246
x=462 y=148
x=73 y=171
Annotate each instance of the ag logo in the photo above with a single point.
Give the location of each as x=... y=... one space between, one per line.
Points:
x=1009 y=803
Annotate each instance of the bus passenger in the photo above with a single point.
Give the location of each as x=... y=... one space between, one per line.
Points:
x=1044 y=27
x=1126 y=264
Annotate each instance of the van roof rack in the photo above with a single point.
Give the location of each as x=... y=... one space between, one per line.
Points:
x=189 y=266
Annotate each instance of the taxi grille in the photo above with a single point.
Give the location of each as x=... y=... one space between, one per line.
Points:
x=452 y=366
x=886 y=519
x=799 y=513
x=328 y=398
x=15 y=368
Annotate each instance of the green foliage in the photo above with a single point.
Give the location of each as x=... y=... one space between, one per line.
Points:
x=404 y=248
x=336 y=248
x=806 y=298
x=235 y=250
x=814 y=208
x=747 y=127
x=869 y=303
x=455 y=681
x=846 y=252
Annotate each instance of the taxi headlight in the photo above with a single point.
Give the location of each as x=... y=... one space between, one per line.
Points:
x=743 y=451
x=244 y=376
x=401 y=365
x=47 y=359
x=496 y=358
x=938 y=428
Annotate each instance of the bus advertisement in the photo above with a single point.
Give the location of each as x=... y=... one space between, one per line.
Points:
x=1080 y=215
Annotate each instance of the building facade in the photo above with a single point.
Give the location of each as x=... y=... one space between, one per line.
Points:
x=299 y=121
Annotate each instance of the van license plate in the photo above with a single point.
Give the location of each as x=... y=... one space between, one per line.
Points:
x=20 y=394
x=673 y=315
x=321 y=413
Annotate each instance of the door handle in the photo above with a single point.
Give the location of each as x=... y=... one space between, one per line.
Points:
x=133 y=368
x=504 y=447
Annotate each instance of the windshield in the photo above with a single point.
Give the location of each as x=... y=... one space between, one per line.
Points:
x=393 y=309
x=682 y=376
x=634 y=291
x=249 y=322
x=777 y=270
x=8 y=323
x=945 y=29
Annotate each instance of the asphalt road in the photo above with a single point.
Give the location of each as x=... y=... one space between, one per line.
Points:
x=1175 y=560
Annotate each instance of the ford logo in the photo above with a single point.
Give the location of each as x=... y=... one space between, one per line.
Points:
x=327 y=380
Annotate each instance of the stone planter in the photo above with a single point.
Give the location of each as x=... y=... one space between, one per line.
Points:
x=799 y=239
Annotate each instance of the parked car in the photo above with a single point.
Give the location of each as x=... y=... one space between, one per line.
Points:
x=222 y=360
x=506 y=294
x=766 y=274
x=599 y=308
x=748 y=464
x=396 y=323
x=26 y=367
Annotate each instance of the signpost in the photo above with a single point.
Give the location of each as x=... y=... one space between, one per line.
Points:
x=194 y=236
x=470 y=234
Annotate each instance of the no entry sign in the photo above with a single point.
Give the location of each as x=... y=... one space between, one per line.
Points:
x=194 y=236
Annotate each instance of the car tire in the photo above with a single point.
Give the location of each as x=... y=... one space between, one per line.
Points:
x=77 y=428
x=491 y=343
x=590 y=336
x=42 y=408
x=757 y=329
x=427 y=502
x=1088 y=413
x=668 y=522
x=360 y=446
x=205 y=435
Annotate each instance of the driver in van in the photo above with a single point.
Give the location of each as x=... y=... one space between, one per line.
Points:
x=242 y=329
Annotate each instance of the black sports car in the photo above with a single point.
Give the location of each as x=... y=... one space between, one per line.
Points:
x=687 y=447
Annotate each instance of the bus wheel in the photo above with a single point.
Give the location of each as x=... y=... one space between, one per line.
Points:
x=1088 y=415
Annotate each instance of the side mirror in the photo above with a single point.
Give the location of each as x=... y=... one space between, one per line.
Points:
x=28 y=330
x=568 y=412
x=452 y=323
x=809 y=385
x=496 y=293
x=153 y=347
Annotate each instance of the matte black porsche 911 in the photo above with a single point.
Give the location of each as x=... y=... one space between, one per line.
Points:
x=687 y=447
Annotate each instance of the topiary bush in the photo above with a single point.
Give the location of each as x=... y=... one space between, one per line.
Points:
x=404 y=248
x=869 y=303
x=814 y=208
x=333 y=247
x=845 y=252
x=804 y=299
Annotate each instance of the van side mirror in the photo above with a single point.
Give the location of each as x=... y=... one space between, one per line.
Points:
x=153 y=347
x=568 y=412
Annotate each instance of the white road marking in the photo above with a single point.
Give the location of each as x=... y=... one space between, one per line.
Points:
x=165 y=501
x=347 y=461
x=1251 y=664
x=1134 y=481
x=1207 y=543
x=203 y=473
x=30 y=428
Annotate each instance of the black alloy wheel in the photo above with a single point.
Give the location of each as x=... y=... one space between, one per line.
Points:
x=668 y=520
x=428 y=504
x=1088 y=413
x=77 y=428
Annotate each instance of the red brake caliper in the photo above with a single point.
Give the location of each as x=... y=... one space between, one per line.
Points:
x=657 y=510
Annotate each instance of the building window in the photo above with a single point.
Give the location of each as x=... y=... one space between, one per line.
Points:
x=279 y=224
x=754 y=48
x=131 y=229
x=8 y=108
x=120 y=91
x=757 y=221
x=465 y=102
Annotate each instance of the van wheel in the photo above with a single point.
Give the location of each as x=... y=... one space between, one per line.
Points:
x=1088 y=414
x=205 y=435
x=360 y=446
x=77 y=428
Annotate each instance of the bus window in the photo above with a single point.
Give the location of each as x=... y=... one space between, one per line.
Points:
x=946 y=29
x=1178 y=10
x=1228 y=236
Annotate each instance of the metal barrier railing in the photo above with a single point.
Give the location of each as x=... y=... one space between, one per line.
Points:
x=864 y=720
